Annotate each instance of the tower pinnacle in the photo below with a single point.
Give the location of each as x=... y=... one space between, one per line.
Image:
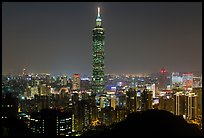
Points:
x=98 y=11
x=98 y=18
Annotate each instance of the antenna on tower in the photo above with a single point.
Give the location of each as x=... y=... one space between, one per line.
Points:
x=98 y=11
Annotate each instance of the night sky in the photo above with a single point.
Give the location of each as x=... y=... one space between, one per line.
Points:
x=56 y=37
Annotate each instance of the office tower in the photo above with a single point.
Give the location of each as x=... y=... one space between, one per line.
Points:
x=179 y=103
x=147 y=100
x=176 y=80
x=76 y=82
x=98 y=56
x=131 y=100
x=187 y=81
x=192 y=106
x=162 y=80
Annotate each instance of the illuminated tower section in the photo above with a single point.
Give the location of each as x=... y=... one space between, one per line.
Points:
x=98 y=56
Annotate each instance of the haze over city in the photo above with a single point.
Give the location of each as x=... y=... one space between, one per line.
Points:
x=139 y=37
x=101 y=69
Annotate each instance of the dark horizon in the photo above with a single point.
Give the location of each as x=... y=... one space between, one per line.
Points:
x=140 y=37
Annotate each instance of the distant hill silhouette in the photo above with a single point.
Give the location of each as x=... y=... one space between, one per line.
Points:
x=150 y=123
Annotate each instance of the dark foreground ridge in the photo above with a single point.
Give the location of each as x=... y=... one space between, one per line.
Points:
x=150 y=123
x=146 y=123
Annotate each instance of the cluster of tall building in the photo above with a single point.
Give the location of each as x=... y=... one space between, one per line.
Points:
x=187 y=104
x=177 y=80
x=50 y=122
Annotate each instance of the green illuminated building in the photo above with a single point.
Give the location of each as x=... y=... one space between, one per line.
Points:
x=98 y=56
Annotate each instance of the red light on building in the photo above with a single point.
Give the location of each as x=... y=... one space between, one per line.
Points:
x=76 y=75
x=162 y=71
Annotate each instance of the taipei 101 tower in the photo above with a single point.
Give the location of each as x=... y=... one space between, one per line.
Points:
x=98 y=57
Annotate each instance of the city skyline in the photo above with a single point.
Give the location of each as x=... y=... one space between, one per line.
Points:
x=140 y=37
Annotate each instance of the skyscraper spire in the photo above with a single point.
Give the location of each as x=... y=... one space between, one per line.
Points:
x=98 y=12
x=98 y=18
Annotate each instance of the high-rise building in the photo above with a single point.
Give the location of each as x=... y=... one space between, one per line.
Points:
x=176 y=80
x=113 y=101
x=9 y=106
x=34 y=91
x=103 y=101
x=197 y=81
x=98 y=56
x=146 y=100
x=50 y=122
x=166 y=103
x=85 y=84
x=120 y=114
x=187 y=81
x=162 y=80
x=84 y=112
x=42 y=89
x=179 y=104
x=76 y=82
x=192 y=106
x=64 y=80
x=198 y=92
x=107 y=116
x=41 y=102
x=152 y=87
x=131 y=100
x=121 y=100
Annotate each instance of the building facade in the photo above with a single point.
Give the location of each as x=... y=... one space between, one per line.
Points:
x=76 y=82
x=146 y=100
x=50 y=122
x=98 y=56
